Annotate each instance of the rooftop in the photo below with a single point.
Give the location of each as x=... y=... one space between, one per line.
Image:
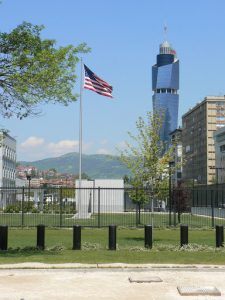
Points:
x=206 y=99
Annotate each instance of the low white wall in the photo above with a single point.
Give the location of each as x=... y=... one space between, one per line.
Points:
x=207 y=211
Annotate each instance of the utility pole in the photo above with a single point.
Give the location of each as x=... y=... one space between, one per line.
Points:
x=171 y=163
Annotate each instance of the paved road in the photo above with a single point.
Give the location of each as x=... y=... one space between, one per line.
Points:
x=110 y=282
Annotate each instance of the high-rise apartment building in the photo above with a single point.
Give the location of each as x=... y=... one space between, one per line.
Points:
x=199 y=124
x=165 y=85
x=219 y=140
x=7 y=160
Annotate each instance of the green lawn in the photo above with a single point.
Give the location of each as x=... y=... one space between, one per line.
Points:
x=121 y=219
x=130 y=247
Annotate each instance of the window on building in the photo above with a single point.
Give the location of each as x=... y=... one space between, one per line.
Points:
x=222 y=148
x=220 y=118
x=188 y=148
x=179 y=175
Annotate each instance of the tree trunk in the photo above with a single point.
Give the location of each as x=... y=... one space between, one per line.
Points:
x=139 y=213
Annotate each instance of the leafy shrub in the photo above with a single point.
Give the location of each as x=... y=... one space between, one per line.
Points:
x=29 y=207
x=16 y=207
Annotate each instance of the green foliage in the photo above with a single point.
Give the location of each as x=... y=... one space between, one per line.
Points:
x=146 y=157
x=29 y=207
x=12 y=208
x=53 y=170
x=33 y=70
x=17 y=207
x=68 y=193
x=139 y=195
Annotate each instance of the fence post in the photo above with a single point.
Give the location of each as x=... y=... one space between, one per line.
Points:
x=212 y=209
x=222 y=202
x=183 y=235
x=41 y=237
x=125 y=200
x=112 y=237
x=137 y=221
x=60 y=208
x=99 y=210
x=170 y=203
x=76 y=237
x=174 y=217
x=3 y=237
x=219 y=236
x=22 y=207
x=148 y=236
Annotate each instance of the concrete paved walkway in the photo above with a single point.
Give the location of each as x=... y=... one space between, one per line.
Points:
x=35 y=281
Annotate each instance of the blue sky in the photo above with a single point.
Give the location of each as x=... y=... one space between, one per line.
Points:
x=124 y=36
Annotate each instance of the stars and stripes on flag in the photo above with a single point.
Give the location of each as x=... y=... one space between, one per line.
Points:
x=96 y=84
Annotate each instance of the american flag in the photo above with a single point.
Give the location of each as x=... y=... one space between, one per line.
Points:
x=94 y=83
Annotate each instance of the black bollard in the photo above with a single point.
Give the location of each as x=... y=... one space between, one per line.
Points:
x=76 y=237
x=112 y=237
x=148 y=236
x=41 y=237
x=3 y=237
x=219 y=236
x=183 y=235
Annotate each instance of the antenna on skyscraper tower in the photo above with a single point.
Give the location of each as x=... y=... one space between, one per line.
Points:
x=165 y=29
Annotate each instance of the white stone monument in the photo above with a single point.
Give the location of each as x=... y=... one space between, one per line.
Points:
x=99 y=195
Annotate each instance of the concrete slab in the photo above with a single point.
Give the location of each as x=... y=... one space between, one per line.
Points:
x=198 y=291
x=141 y=279
x=56 y=283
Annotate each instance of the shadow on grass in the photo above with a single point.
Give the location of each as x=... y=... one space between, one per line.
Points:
x=30 y=251
x=137 y=239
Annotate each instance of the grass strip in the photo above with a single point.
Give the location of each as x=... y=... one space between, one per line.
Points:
x=130 y=247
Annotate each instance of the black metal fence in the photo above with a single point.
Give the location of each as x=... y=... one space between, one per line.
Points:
x=97 y=207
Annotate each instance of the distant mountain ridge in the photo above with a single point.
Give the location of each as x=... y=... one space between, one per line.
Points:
x=94 y=165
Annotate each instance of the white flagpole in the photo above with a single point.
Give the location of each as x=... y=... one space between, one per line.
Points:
x=81 y=121
x=80 y=132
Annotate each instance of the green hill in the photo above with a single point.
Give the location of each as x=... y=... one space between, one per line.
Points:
x=95 y=166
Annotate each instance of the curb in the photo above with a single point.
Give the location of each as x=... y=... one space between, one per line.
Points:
x=118 y=266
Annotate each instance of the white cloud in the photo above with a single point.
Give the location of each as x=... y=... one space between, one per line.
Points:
x=63 y=147
x=32 y=141
x=35 y=148
x=104 y=142
x=103 y=151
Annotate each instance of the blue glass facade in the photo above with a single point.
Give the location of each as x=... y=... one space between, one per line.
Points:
x=165 y=85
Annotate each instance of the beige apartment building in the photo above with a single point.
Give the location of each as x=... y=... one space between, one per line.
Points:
x=219 y=139
x=199 y=125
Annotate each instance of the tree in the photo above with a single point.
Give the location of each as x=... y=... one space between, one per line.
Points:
x=147 y=159
x=83 y=176
x=33 y=70
x=181 y=199
x=33 y=172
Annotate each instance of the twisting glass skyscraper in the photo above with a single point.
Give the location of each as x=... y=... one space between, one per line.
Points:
x=165 y=85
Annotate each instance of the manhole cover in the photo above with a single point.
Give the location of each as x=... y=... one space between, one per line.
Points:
x=198 y=291
x=145 y=279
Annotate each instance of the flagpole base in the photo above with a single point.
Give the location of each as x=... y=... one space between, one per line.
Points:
x=82 y=215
